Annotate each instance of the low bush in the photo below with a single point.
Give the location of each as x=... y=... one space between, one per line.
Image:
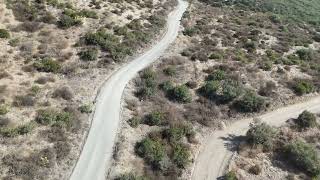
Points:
x=305 y=54
x=4 y=109
x=167 y=86
x=180 y=94
x=44 y=80
x=250 y=102
x=301 y=86
x=170 y=71
x=216 y=55
x=176 y=133
x=66 y=21
x=35 y=90
x=231 y=175
x=221 y=91
x=306 y=120
x=155 y=118
x=4 y=121
x=217 y=75
x=19 y=130
x=89 y=54
x=47 y=65
x=148 y=84
x=190 y=31
x=53 y=117
x=86 y=108
x=266 y=65
x=153 y=151
x=256 y=170
x=4 y=34
x=304 y=156
x=134 y=122
x=261 y=134
x=24 y=100
x=64 y=93
x=181 y=155
x=88 y=14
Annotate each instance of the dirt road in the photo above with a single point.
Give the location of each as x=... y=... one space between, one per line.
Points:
x=97 y=151
x=215 y=152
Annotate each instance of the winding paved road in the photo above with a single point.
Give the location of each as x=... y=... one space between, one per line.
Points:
x=215 y=154
x=94 y=160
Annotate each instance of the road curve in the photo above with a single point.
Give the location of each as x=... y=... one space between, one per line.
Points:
x=214 y=156
x=97 y=151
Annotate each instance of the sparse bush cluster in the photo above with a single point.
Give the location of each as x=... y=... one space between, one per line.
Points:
x=47 y=65
x=15 y=131
x=54 y=117
x=4 y=34
x=148 y=84
x=301 y=86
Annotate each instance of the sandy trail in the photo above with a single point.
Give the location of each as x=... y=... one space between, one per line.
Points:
x=216 y=151
x=97 y=151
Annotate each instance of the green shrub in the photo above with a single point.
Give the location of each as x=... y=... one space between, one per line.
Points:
x=148 y=85
x=134 y=122
x=19 y=130
x=180 y=94
x=231 y=175
x=53 y=117
x=47 y=65
x=170 y=71
x=88 y=14
x=14 y=42
x=167 y=86
x=34 y=90
x=302 y=87
x=210 y=89
x=155 y=118
x=153 y=151
x=85 y=108
x=250 y=46
x=250 y=102
x=148 y=74
x=66 y=21
x=217 y=75
x=304 y=156
x=4 y=109
x=305 y=54
x=181 y=155
x=130 y=176
x=89 y=54
x=306 y=120
x=109 y=42
x=176 y=133
x=222 y=92
x=4 y=34
x=261 y=134
x=216 y=55
x=190 y=31
x=266 y=65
